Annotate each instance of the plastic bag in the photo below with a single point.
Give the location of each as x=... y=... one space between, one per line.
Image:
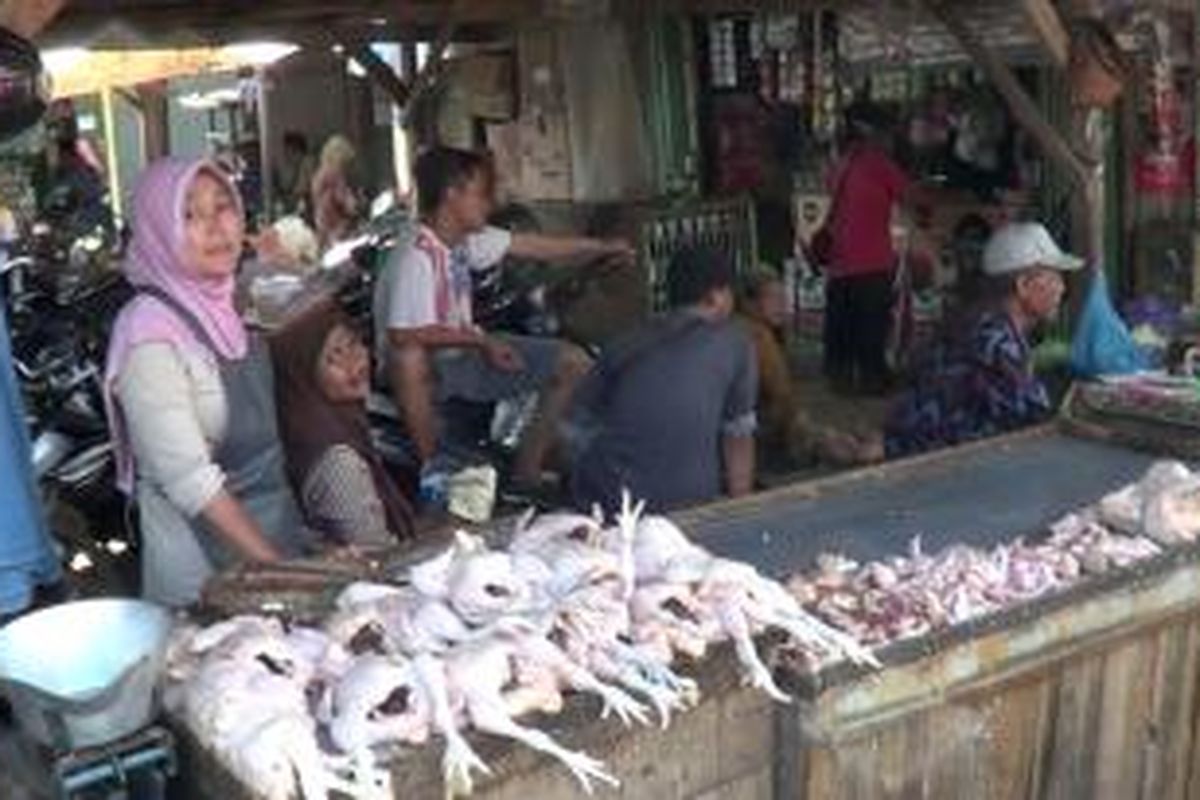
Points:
x=1103 y=344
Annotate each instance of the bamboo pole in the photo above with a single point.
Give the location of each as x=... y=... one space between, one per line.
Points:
x=111 y=160
x=1085 y=170
x=1023 y=108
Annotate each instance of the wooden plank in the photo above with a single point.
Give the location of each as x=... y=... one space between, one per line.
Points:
x=1192 y=780
x=1124 y=703
x=896 y=757
x=1070 y=755
x=822 y=780
x=1164 y=774
x=1015 y=735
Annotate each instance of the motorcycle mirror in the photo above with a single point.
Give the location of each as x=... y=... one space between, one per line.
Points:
x=24 y=85
x=382 y=204
x=342 y=251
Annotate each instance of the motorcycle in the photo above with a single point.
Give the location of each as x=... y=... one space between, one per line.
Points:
x=59 y=335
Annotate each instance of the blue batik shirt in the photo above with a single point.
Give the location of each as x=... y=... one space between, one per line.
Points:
x=979 y=386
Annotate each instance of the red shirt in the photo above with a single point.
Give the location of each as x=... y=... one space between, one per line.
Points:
x=868 y=184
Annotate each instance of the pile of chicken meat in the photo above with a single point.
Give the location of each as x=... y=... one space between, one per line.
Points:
x=477 y=638
x=913 y=594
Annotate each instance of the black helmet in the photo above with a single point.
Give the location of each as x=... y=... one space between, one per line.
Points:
x=24 y=88
x=865 y=118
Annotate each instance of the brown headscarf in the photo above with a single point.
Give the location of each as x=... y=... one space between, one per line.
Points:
x=310 y=423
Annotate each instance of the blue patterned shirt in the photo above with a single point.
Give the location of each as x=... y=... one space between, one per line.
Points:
x=982 y=385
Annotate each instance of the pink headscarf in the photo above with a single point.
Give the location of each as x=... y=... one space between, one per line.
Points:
x=156 y=259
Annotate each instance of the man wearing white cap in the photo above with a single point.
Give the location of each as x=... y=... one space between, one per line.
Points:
x=980 y=381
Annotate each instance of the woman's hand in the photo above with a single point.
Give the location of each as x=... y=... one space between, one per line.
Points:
x=239 y=530
x=618 y=250
x=847 y=449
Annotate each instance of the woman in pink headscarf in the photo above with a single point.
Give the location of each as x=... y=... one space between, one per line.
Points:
x=190 y=393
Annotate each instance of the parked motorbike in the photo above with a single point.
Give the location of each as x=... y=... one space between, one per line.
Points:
x=59 y=335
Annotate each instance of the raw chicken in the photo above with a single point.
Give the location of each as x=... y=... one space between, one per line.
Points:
x=379 y=701
x=246 y=699
x=479 y=673
x=1172 y=515
x=1129 y=509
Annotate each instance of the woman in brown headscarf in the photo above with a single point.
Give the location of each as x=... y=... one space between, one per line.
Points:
x=322 y=373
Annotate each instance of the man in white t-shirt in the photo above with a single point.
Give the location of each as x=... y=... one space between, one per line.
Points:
x=434 y=349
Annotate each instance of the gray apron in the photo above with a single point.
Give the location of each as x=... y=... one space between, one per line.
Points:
x=250 y=454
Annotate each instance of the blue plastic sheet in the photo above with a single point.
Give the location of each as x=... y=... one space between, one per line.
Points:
x=1103 y=344
x=26 y=558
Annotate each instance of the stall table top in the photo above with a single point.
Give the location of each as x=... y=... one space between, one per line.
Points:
x=978 y=495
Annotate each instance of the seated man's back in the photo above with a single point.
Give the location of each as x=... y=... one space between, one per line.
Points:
x=661 y=409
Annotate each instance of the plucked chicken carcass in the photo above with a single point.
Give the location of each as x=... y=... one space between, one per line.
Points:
x=245 y=695
x=480 y=673
x=589 y=573
x=453 y=598
x=725 y=600
x=378 y=702
x=471 y=599
x=1164 y=505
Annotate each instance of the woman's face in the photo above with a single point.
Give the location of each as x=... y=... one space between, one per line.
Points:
x=771 y=303
x=1040 y=292
x=343 y=370
x=213 y=228
x=471 y=201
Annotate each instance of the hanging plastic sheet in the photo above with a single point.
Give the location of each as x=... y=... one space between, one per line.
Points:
x=1103 y=344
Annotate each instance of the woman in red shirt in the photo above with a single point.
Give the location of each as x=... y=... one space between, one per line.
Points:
x=867 y=186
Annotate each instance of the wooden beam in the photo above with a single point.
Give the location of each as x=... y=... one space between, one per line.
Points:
x=427 y=78
x=1047 y=24
x=381 y=72
x=139 y=23
x=28 y=18
x=1028 y=116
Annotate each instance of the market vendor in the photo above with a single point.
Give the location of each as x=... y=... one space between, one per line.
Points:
x=434 y=350
x=669 y=411
x=979 y=380
x=323 y=377
x=190 y=392
x=787 y=435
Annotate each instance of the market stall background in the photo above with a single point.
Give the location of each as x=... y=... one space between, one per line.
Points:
x=1085 y=662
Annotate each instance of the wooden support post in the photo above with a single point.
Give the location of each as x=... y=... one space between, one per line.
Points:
x=1023 y=108
x=381 y=72
x=427 y=78
x=112 y=165
x=1049 y=28
x=266 y=184
x=1085 y=171
x=152 y=100
x=1196 y=165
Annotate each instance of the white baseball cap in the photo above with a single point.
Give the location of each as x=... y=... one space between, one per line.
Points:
x=1021 y=245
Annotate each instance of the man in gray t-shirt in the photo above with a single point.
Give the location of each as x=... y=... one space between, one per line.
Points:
x=670 y=409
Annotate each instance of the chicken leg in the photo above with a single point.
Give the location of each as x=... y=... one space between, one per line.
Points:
x=489 y=715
